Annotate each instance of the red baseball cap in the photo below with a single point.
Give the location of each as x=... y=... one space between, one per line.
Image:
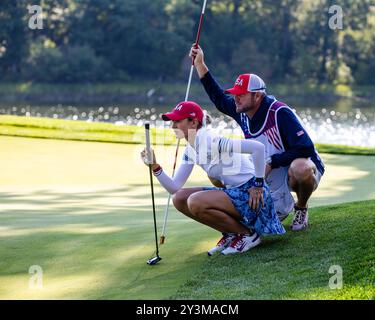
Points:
x=184 y=110
x=246 y=83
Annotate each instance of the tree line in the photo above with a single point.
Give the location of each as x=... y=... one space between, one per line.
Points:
x=85 y=41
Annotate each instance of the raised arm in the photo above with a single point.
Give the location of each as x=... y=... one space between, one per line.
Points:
x=223 y=102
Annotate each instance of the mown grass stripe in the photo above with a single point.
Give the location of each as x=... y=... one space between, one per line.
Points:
x=48 y=128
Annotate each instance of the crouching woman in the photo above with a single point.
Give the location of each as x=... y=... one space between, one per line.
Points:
x=243 y=210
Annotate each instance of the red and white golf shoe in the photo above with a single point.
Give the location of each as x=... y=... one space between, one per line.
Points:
x=223 y=243
x=242 y=243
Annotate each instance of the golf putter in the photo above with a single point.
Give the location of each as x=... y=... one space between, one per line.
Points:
x=156 y=259
x=153 y=260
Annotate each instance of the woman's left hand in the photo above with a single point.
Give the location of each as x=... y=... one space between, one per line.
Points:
x=149 y=159
x=256 y=198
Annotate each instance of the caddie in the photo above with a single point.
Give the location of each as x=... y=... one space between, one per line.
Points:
x=293 y=164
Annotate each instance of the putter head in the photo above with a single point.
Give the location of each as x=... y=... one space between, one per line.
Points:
x=153 y=260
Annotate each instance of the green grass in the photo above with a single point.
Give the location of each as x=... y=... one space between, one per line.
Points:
x=48 y=128
x=90 y=253
x=297 y=265
x=99 y=252
x=341 y=149
x=82 y=212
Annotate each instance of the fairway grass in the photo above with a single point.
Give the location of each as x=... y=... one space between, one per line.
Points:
x=47 y=128
x=82 y=212
x=298 y=265
x=91 y=248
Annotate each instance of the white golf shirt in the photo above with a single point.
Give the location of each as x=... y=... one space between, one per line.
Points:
x=223 y=159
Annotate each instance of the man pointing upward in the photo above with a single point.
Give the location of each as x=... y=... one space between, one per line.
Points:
x=293 y=164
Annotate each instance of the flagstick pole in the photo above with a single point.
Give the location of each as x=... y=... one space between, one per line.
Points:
x=163 y=233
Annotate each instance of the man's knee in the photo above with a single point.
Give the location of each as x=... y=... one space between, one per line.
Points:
x=302 y=170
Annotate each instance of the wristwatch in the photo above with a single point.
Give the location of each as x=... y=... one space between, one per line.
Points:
x=259 y=182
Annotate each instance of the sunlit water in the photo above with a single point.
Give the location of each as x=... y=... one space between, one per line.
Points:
x=354 y=127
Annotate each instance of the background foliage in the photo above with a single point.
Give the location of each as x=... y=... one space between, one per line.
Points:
x=86 y=41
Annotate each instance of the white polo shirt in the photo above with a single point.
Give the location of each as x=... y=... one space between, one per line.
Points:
x=223 y=159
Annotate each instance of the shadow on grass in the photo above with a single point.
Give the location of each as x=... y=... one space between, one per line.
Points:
x=48 y=197
x=106 y=243
x=296 y=266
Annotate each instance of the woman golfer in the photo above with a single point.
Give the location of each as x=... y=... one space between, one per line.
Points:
x=243 y=210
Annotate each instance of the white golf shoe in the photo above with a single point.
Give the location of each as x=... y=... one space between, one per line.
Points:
x=223 y=243
x=242 y=243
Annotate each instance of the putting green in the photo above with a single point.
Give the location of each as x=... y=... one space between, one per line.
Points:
x=82 y=212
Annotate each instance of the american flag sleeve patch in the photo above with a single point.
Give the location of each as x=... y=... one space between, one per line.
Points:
x=300 y=133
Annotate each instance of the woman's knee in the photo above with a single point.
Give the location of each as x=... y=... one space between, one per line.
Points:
x=196 y=204
x=179 y=199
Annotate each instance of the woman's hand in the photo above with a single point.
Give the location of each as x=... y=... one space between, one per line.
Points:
x=149 y=160
x=256 y=198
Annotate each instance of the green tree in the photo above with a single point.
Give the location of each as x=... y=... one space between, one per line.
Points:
x=110 y=40
x=13 y=40
x=135 y=36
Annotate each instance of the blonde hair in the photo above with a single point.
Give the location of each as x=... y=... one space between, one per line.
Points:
x=207 y=119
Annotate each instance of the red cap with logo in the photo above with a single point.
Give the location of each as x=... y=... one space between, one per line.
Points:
x=246 y=83
x=184 y=110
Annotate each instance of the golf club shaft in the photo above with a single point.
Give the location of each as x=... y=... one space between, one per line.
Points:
x=150 y=159
x=162 y=237
x=153 y=210
x=189 y=82
x=200 y=26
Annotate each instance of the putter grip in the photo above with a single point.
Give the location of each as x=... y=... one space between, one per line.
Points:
x=148 y=145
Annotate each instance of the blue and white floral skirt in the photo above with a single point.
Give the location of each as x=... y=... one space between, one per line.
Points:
x=264 y=221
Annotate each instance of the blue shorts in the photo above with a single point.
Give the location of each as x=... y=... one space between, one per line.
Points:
x=264 y=221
